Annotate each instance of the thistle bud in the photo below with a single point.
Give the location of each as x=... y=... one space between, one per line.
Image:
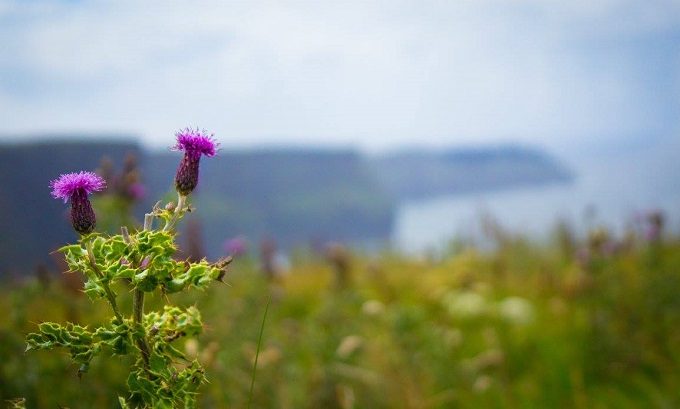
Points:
x=76 y=187
x=194 y=143
x=82 y=214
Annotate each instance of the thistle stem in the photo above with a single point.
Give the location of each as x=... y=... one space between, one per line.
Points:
x=181 y=200
x=137 y=315
x=138 y=307
x=109 y=294
x=148 y=221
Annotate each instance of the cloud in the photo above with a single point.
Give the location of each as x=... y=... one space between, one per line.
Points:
x=373 y=74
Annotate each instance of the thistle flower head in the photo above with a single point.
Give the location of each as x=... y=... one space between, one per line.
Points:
x=196 y=142
x=70 y=184
x=136 y=191
x=76 y=187
x=236 y=246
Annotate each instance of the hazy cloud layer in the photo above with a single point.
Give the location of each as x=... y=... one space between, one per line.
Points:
x=371 y=74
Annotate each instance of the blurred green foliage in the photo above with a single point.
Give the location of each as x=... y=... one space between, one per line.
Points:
x=525 y=325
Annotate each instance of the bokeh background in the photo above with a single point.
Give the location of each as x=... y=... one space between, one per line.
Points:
x=483 y=194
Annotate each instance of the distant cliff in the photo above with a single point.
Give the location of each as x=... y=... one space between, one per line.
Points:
x=421 y=174
x=294 y=196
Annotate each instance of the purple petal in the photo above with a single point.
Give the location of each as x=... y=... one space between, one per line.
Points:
x=66 y=185
x=195 y=141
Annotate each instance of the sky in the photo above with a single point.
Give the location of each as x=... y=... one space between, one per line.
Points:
x=376 y=75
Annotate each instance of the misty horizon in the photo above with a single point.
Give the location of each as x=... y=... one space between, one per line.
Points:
x=375 y=75
x=592 y=147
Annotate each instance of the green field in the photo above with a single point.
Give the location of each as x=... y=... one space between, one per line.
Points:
x=524 y=325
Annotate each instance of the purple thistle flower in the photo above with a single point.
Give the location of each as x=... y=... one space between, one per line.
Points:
x=136 y=191
x=76 y=187
x=67 y=185
x=236 y=246
x=194 y=143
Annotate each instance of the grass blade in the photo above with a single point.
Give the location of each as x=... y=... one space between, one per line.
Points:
x=257 y=354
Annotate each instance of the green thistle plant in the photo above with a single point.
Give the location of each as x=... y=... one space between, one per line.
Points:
x=161 y=376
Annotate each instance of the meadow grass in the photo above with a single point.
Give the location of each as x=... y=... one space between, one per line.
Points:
x=523 y=325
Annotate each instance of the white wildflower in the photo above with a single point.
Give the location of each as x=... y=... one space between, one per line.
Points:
x=516 y=310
